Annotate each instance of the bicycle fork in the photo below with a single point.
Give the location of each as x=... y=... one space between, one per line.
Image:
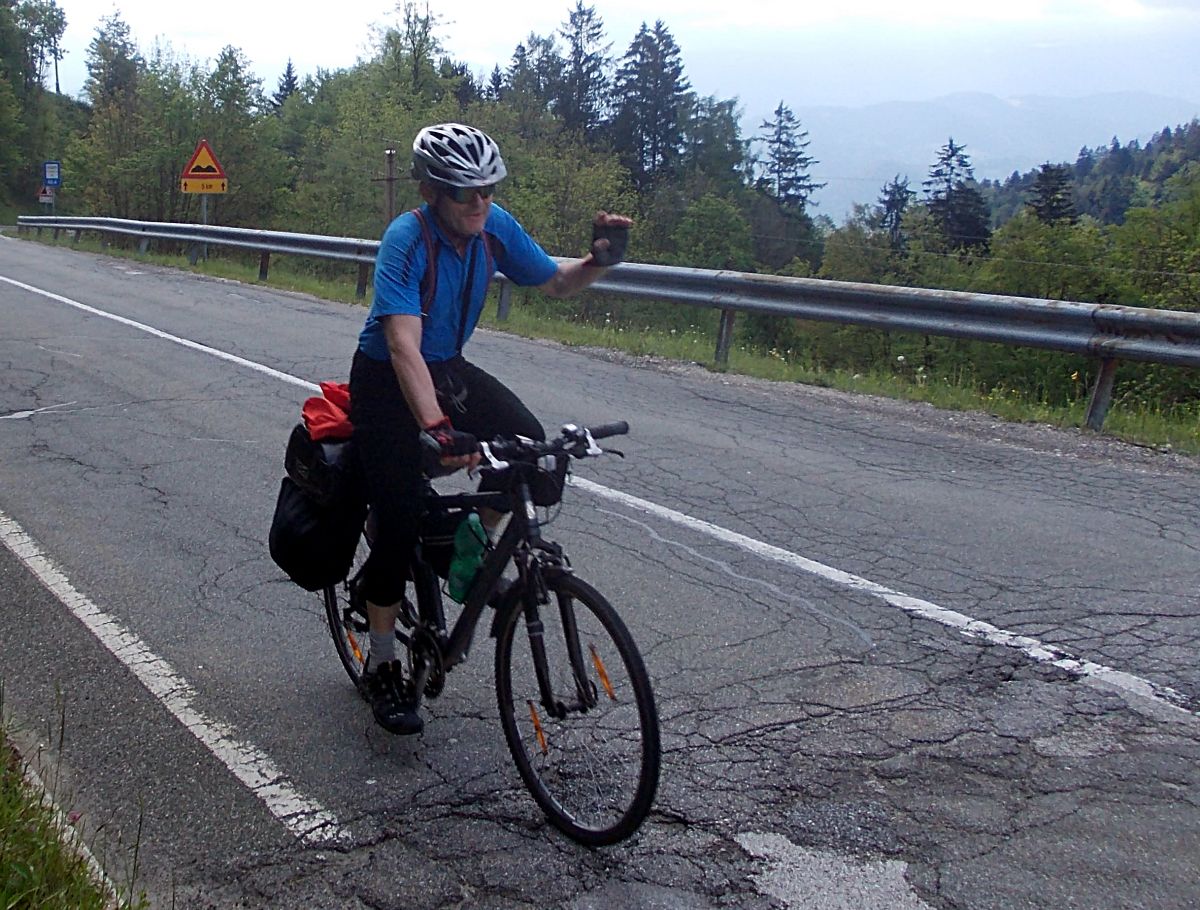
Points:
x=585 y=689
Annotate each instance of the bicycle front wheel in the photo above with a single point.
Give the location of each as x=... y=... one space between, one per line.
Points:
x=578 y=712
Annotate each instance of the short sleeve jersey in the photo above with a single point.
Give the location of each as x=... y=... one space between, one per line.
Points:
x=462 y=280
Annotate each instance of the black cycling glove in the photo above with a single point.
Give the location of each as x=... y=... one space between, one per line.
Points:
x=617 y=237
x=440 y=440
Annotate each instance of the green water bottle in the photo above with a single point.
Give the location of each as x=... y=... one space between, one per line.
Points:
x=470 y=540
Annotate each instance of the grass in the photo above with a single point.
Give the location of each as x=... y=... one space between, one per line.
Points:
x=1141 y=422
x=39 y=866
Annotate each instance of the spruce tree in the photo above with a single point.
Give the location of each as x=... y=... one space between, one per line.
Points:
x=785 y=166
x=955 y=202
x=651 y=96
x=495 y=86
x=1052 y=199
x=584 y=86
x=288 y=86
x=893 y=202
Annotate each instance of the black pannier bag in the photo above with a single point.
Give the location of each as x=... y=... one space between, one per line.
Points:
x=314 y=543
x=327 y=470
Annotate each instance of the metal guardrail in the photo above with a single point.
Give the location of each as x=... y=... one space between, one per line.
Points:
x=1108 y=333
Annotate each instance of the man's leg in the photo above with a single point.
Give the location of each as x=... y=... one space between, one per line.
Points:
x=385 y=437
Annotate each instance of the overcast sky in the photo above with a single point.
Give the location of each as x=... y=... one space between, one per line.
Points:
x=848 y=52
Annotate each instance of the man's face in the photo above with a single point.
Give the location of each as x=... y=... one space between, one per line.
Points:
x=466 y=219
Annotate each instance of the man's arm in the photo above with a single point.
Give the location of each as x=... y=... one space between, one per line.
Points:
x=403 y=335
x=577 y=274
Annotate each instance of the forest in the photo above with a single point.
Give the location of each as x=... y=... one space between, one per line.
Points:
x=587 y=124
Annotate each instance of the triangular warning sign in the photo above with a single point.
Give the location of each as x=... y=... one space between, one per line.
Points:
x=204 y=164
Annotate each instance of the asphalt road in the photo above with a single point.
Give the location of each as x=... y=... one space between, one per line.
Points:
x=903 y=658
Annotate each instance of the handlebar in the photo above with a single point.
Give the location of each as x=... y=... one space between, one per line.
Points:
x=575 y=441
x=498 y=453
x=616 y=428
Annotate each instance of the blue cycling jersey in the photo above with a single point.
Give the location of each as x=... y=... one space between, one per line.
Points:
x=461 y=280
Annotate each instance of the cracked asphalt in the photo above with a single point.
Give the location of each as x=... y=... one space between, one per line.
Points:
x=831 y=737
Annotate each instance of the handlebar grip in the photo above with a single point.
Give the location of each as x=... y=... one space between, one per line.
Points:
x=616 y=428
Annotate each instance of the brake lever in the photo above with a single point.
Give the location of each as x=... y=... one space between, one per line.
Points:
x=592 y=448
x=492 y=461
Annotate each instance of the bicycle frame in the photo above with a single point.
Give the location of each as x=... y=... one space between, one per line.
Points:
x=523 y=528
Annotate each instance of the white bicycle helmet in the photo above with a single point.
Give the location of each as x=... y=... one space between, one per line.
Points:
x=457 y=155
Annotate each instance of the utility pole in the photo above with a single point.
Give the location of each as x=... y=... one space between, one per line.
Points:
x=390 y=155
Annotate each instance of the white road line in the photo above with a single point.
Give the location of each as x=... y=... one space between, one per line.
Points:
x=304 y=817
x=158 y=333
x=1126 y=684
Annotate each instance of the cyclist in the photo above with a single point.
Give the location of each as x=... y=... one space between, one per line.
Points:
x=409 y=379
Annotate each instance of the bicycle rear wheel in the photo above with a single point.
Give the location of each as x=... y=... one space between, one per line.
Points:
x=591 y=757
x=346 y=615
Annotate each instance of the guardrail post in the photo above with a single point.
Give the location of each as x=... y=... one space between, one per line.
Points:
x=725 y=336
x=193 y=253
x=264 y=263
x=75 y=236
x=1101 y=399
x=505 y=301
x=363 y=270
x=55 y=235
x=143 y=245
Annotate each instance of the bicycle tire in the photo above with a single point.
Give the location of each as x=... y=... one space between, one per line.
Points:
x=347 y=618
x=611 y=752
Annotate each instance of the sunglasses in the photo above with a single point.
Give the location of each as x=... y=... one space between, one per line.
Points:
x=462 y=194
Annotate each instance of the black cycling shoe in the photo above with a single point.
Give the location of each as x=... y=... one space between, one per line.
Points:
x=384 y=688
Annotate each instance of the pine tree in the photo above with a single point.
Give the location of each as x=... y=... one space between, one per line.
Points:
x=586 y=63
x=1052 y=200
x=288 y=86
x=955 y=202
x=651 y=96
x=785 y=166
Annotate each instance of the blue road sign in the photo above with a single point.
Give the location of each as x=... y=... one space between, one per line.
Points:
x=52 y=173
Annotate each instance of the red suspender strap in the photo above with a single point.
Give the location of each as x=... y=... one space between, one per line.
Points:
x=429 y=279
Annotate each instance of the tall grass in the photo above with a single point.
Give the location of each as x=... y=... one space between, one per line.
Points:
x=42 y=861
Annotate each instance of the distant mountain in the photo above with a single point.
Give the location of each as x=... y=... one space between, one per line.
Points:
x=861 y=149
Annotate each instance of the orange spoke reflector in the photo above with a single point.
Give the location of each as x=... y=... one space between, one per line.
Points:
x=354 y=646
x=537 y=727
x=603 y=673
